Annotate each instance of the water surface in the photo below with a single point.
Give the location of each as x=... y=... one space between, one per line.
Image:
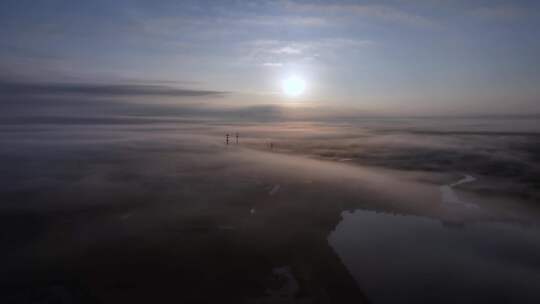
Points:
x=410 y=259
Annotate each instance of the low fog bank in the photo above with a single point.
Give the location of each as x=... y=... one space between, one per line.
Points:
x=502 y=153
x=110 y=213
x=380 y=154
x=122 y=211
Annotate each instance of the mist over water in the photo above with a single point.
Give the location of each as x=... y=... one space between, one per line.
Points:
x=130 y=208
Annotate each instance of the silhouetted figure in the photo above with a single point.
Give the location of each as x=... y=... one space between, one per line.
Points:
x=271 y=146
x=227 y=138
x=237 y=137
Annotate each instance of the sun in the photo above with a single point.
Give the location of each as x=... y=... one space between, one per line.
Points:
x=293 y=86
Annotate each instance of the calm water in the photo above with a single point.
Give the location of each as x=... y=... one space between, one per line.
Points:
x=397 y=259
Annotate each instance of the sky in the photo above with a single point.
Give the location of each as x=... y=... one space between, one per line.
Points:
x=393 y=57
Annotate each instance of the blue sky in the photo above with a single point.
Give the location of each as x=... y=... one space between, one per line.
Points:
x=424 y=56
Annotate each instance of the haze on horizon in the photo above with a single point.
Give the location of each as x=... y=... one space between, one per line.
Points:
x=422 y=57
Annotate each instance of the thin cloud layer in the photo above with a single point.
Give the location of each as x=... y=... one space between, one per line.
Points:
x=13 y=88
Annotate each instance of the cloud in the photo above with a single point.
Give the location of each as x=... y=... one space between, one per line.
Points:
x=273 y=64
x=366 y=11
x=196 y=27
x=503 y=13
x=344 y=43
x=277 y=53
x=285 y=21
x=288 y=50
x=109 y=90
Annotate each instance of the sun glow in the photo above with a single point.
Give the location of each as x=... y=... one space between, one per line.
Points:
x=293 y=86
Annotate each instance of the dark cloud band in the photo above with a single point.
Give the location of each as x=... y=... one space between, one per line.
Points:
x=13 y=88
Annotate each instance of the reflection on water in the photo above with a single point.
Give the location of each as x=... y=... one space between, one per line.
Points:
x=397 y=259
